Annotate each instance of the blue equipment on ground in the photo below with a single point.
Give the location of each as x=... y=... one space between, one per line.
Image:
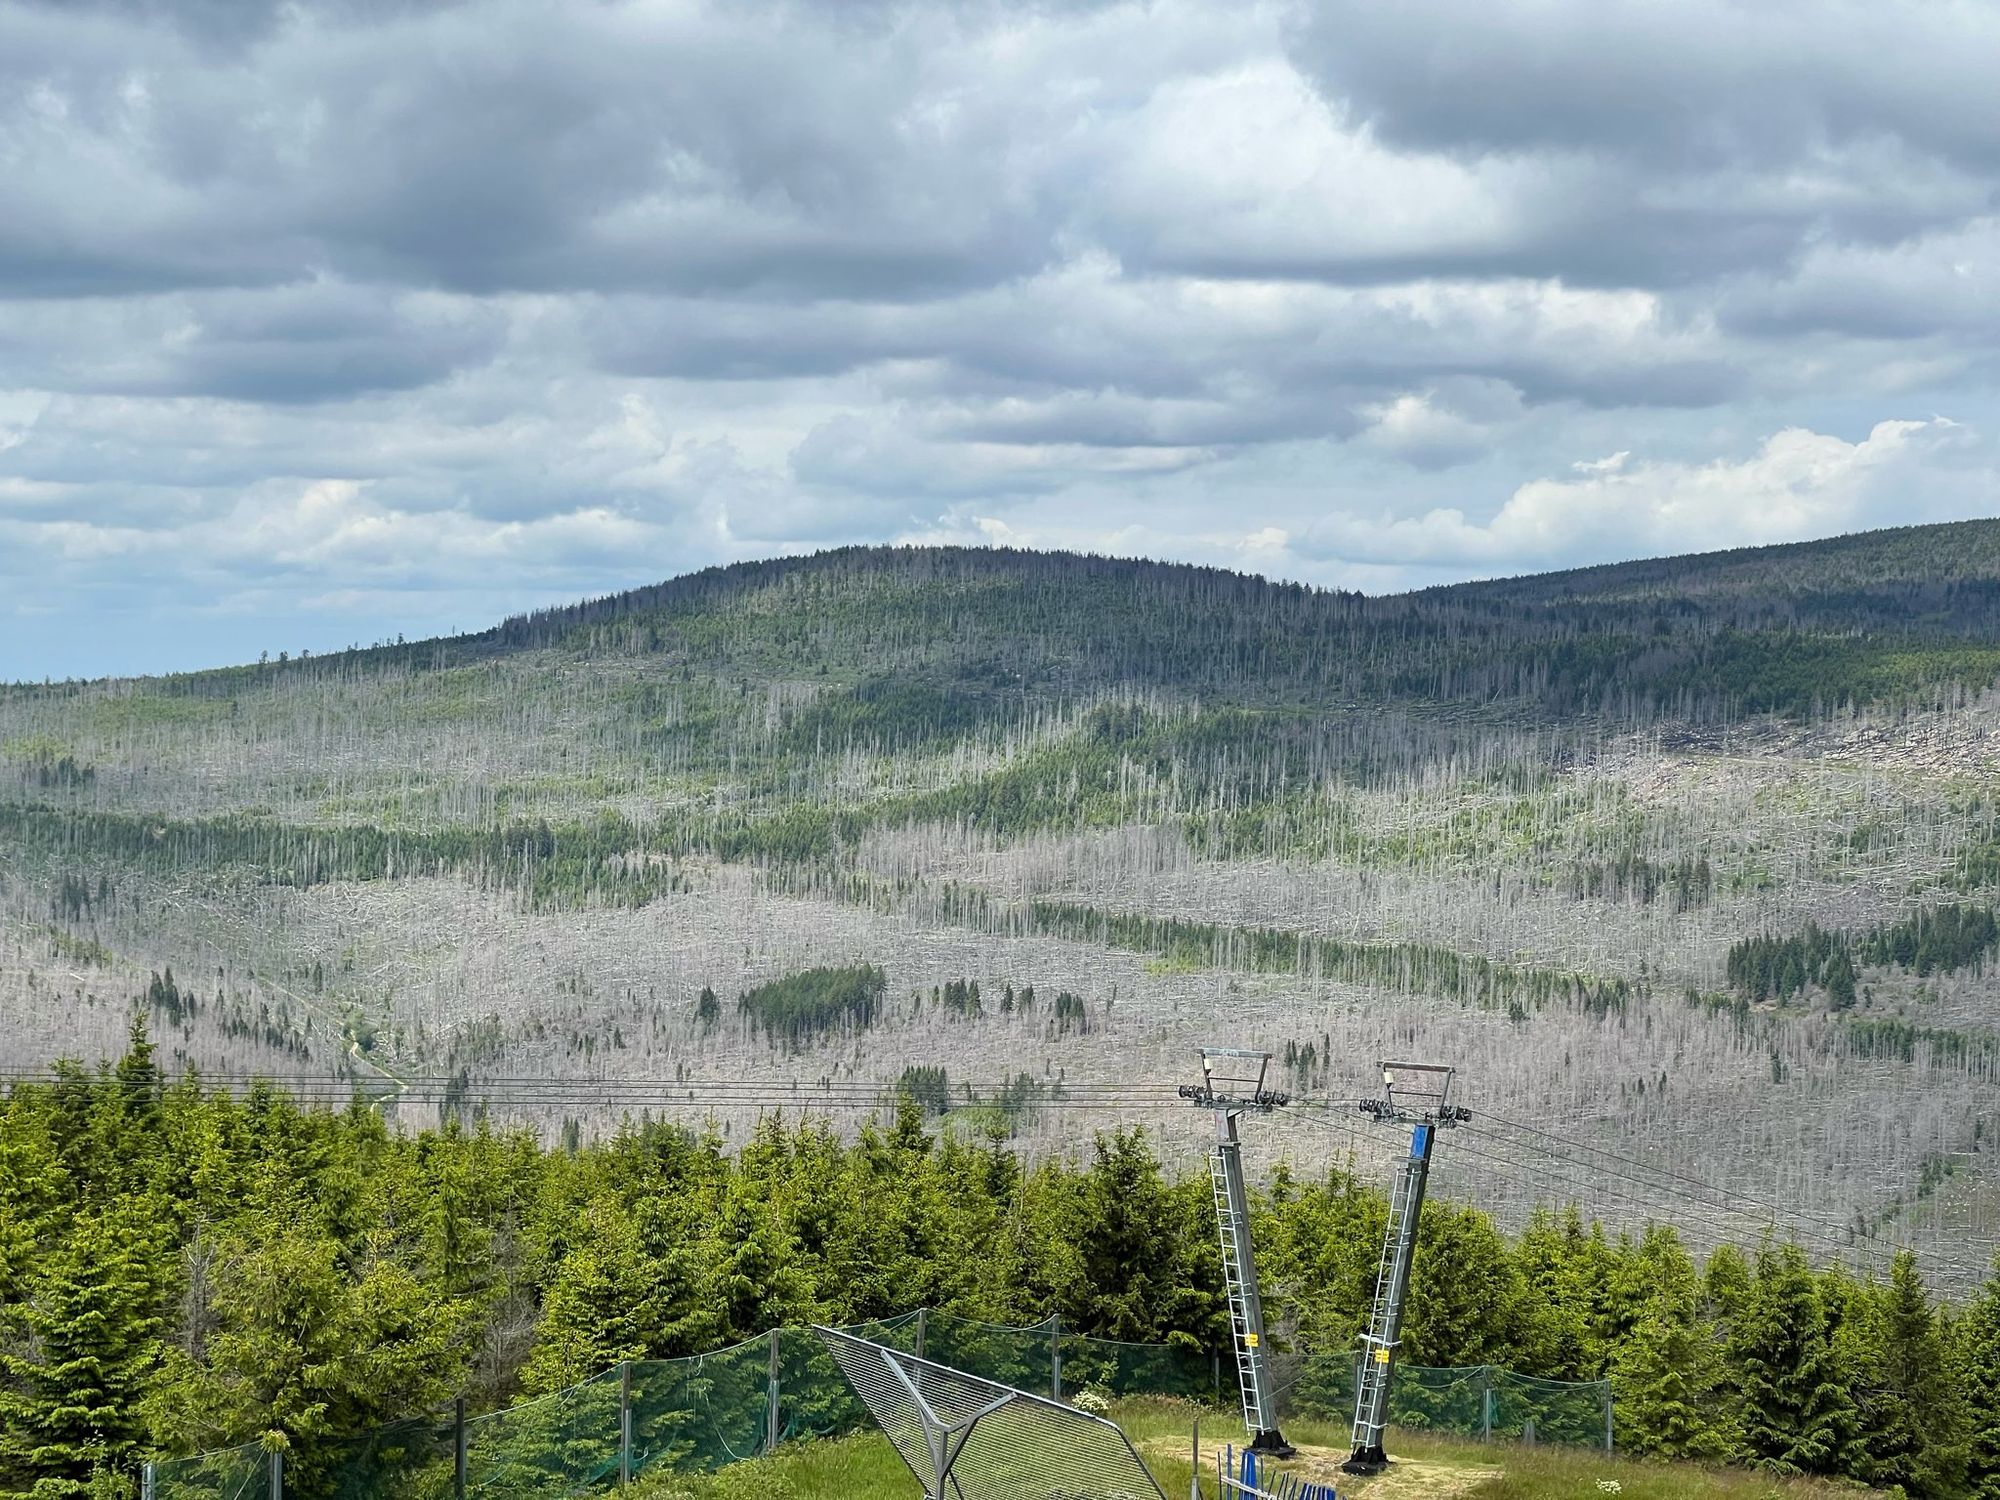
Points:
x=1249 y=1476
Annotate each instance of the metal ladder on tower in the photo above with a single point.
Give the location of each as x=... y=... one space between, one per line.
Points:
x=1378 y=1345
x=1246 y=1333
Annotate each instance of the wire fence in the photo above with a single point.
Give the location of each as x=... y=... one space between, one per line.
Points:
x=244 y=1473
x=698 y=1414
x=1469 y=1400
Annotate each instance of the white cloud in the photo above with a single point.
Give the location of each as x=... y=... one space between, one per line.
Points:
x=1252 y=172
x=1451 y=423
x=1798 y=484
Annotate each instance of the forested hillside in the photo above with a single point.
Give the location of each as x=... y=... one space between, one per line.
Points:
x=1690 y=862
x=183 y=1269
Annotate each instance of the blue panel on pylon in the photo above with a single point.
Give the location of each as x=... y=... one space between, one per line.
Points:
x=1420 y=1138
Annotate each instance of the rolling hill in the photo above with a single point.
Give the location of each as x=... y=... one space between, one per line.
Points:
x=1688 y=863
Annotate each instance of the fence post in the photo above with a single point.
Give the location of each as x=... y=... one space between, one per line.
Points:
x=1607 y=1416
x=458 y=1448
x=1055 y=1356
x=771 y=1405
x=1486 y=1403
x=147 y=1482
x=277 y=1475
x=1215 y=1369
x=923 y=1316
x=624 y=1424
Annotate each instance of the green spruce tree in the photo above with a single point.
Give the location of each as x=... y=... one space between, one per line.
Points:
x=1667 y=1373
x=1797 y=1413
x=1913 y=1413
x=592 y=1310
x=79 y=1347
x=1976 y=1337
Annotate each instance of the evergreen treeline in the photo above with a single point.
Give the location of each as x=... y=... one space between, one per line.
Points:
x=1786 y=629
x=1938 y=940
x=1892 y=1037
x=928 y=1086
x=181 y=1269
x=1777 y=968
x=814 y=1003
x=1883 y=614
x=602 y=861
x=946 y=639
x=1401 y=967
x=1685 y=883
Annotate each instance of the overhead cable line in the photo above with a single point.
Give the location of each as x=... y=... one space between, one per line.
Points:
x=1718 y=1199
x=1696 y=1183
x=1523 y=1173
x=653 y=1092
x=1582 y=1156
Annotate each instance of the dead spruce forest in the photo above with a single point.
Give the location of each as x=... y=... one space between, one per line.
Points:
x=1688 y=865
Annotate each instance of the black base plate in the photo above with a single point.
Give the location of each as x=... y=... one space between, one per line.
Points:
x=1366 y=1461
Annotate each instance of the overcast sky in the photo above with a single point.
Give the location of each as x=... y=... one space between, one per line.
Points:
x=321 y=322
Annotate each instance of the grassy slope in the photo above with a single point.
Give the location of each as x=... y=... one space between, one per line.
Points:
x=1427 y=1468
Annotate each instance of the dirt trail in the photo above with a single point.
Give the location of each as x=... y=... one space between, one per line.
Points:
x=1405 y=1479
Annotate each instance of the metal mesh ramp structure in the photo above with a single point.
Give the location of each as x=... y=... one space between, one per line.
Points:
x=971 y=1439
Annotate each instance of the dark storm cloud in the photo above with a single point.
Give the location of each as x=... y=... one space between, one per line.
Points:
x=503 y=147
x=1704 y=83
x=320 y=342
x=1690 y=139
x=281 y=345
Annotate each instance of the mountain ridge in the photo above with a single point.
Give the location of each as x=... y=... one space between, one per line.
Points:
x=1931 y=559
x=1792 y=629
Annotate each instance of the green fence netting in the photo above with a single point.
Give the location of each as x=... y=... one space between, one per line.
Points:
x=1042 y=1358
x=415 y=1458
x=814 y=1399
x=1561 y=1411
x=1025 y=1358
x=701 y=1413
x=1471 y=1400
x=227 y=1474
x=564 y=1444
x=1122 y=1369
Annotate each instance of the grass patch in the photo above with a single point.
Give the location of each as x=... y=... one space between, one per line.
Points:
x=847 y=1468
x=1427 y=1467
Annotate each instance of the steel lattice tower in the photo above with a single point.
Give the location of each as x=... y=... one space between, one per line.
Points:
x=1241 y=1075
x=1426 y=1106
